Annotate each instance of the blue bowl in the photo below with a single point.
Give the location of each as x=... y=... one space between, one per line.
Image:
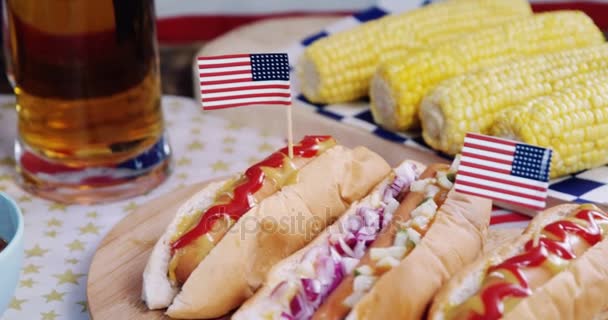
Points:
x=11 y=258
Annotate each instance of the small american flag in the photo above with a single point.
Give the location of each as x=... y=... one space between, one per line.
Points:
x=504 y=170
x=244 y=79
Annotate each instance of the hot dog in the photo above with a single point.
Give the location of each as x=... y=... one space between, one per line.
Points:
x=401 y=251
x=557 y=269
x=233 y=268
x=208 y=215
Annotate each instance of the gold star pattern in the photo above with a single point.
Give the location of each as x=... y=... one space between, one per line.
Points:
x=233 y=126
x=195 y=131
x=8 y=105
x=27 y=283
x=16 y=304
x=169 y=124
x=228 y=150
x=130 y=206
x=220 y=166
x=198 y=119
x=265 y=147
x=2 y=188
x=175 y=106
x=36 y=251
x=53 y=222
x=68 y=277
x=71 y=261
x=89 y=228
x=229 y=140
x=253 y=160
x=182 y=175
x=184 y=161
x=265 y=133
x=84 y=305
x=31 y=268
x=51 y=315
x=58 y=207
x=76 y=245
x=6 y=177
x=7 y=161
x=92 y=214
x=25 y=198
x=196 y=145
x=54 y=296
x=51 y=233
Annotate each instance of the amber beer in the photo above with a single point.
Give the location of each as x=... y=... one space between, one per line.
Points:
x=87 y=82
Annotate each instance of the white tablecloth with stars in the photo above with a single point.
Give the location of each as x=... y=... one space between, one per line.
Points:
x=60 y=240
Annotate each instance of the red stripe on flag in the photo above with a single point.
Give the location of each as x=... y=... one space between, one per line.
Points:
x=511 y=217
x=500 y=190
x=494 y=179
x=226 y=56
x=225 y=65
x=246 y=87
x=490 y=139
x=482 y=167
x=209 y=83
x=224 y=106
x=477 y=156
x=224 y=73
x=486 y=148
x=253 y=95
x=499 y=199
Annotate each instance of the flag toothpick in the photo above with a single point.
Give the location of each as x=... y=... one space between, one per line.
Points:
x=289 y=132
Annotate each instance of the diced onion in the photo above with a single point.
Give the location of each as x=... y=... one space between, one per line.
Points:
x=351 y=300
x=427 y=208
x=400 y=239
x=455 y=164
x=431 y=190
x=365 y=269
x=379 y=253
x=363 y=283
x=406 y=171
x=376 y=199
x=391 y=206
x=421 y=221
x=420 y=185
x=388 y=262
x=414 y=236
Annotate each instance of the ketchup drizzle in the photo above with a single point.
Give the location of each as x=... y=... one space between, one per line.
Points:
x=254 y=178
x=492 y=296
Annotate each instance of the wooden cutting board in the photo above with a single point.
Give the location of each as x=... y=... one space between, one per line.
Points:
x=115 y=276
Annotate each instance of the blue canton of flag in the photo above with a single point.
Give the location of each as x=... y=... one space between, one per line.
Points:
x=270 y=66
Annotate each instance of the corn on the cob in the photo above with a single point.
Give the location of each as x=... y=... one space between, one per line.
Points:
x=339 y=68
x=573 y=122
x=470 y=102
x=399 y=85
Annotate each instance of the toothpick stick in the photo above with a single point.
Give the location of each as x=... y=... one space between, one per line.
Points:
x=289 y=132
x=536 y=239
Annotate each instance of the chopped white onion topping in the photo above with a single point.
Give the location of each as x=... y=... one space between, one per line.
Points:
x=305 y=269
x=400 y=239
x=391 y=206
x=351 y=316
x=352 y=300
x=421 y=221
x=365 y=269
x=379 y=253
x=388 y=262
x=426 y=208
x=431 y=190
x=413 y=235
x=442 y=179
x=363 y=283
x=420 y=185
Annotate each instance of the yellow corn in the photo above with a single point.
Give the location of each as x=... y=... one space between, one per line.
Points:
x=573 y=122
x=339 y=68
x=399 y=85
x=470 y=102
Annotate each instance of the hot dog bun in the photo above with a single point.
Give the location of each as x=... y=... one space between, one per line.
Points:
x=305 y=259
x=204 y=219
x=157 y=291
x=576 y=292
x=237 y=265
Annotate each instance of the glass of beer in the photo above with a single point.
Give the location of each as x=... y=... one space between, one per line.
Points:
x=86 y=77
